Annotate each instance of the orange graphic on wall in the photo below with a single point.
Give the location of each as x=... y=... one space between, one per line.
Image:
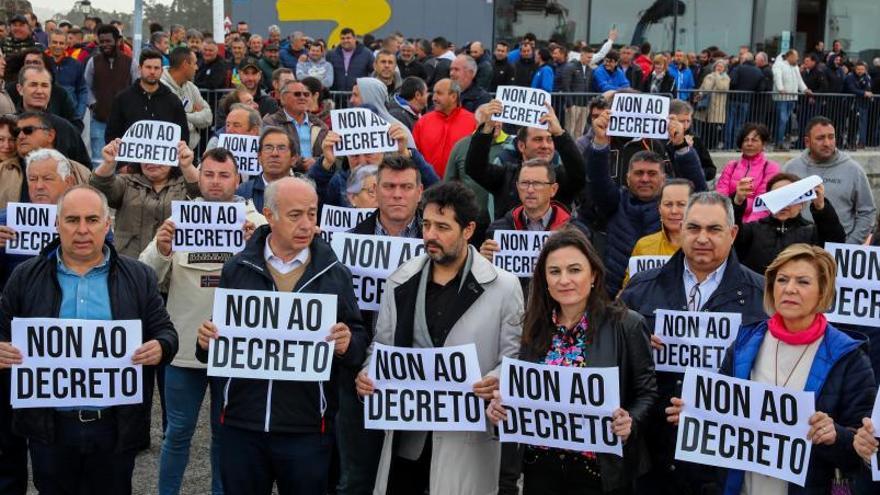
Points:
x=363 y=16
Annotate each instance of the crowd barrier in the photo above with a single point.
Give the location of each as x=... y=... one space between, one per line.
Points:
x=719 y=115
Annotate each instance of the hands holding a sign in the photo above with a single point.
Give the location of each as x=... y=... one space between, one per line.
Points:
x=185 y=160
x=600 y=129
x=9 y=355
x=340 y=333
x=865 y=441
x=149 y=353
x=6 y=234
x=484 y=389
x=395 y=131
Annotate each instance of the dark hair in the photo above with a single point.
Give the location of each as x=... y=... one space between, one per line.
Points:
x=677 y=182
x=425 y=45
x=612 y=55
x=97 y=20
x=760 y=129
x=270 y=130
x=8 y=121
x=818 y=120
x=599 y=102
x=781 y=176
x=108 y=29
x=43 y=117
x=538 y=328
x=155 y=26
x=539 y=163
x=137 y=169
x=178 y=56
x=399 y=164
x=453 y=195
x=219 y=155
x=346 y=31
x=503 y=43
x=441 y=42
x=313 y=85
x=545 y=55
x=231 y=98
x=645 y=48
x=157 y=37
x=813 y=57
x=148 y=54
x=530 y=37
x=646 y=156
x=412 y=85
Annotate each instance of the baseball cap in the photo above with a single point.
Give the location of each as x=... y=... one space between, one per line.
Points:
x=249 y=62
x=18 y=18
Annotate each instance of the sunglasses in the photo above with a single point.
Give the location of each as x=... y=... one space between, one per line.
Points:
x=28 y=129
x=300 y=94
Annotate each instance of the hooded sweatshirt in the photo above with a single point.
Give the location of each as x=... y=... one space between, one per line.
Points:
x=846 y=186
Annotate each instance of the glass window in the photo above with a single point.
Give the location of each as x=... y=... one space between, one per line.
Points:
x=565 y=19
x=854 y=22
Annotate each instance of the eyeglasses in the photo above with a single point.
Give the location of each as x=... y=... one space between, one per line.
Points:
x=537 y=185
x=271 y=148
x=299 y=94
x=29 y=129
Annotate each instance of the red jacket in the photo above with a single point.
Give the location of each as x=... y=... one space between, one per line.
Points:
x=646 y=64
x=436 y=134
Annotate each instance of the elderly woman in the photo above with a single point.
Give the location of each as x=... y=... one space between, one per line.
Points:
x=751 y=171
x=570 y=321
x=660 y=80
x=142 y=199
x=11 y=178
x=798 y=349
x=361 y=187
x=758 y=243
x=713 y=114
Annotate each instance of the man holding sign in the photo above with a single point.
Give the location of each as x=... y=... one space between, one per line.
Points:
x=192 y=278
x=284 y=430
x=448 y=297
x=79 y=276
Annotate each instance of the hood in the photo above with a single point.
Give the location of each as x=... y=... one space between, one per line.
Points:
x=838 y=158
x=170 y=82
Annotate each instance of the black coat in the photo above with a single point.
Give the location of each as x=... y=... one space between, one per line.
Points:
x=746 y=77
x=667 y=84
x=502 y=74
x=524 y=70
x=473 y=97
x=135 y=104
x=33 y=291
x=412 y=68
x=294 y=407
x=212 y=75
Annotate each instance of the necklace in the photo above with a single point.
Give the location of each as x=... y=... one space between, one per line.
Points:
x=776 y=367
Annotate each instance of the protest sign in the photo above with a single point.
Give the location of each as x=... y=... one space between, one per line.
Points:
x=641 y=263
x=639 y=115
x=522 y=106
x=424 y=389
x=857 y=298
x=802 y=191
x=269 y=335
x=340 y=219
x=34 y=227
x=741 y=424
x=245 y=150
x=559 y=406
x=150 y=141
x=518 y=250
x=875 y=459
x=360 y=131
x=76 y=363
x=696 y=339
x=371 y=259
x=207 y=227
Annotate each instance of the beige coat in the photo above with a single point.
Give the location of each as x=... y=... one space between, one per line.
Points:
x=717 y=111
x=140 y=210
x=462 y=463
x=12 y=176
x=191 y=280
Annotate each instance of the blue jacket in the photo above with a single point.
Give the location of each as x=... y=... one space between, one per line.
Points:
x=684 y=80
x=603 y=81
x=288 y=57
x=843 y=381
x=629 y=218
x=69 y=74
x=543 y=78
x=253 y=190
x=360 y=65
x=856 y=85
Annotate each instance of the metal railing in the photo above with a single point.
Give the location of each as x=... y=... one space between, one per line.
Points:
x=719 y=115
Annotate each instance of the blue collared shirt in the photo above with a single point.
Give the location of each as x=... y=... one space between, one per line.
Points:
x=707 y=287
x=304 y=132
x=86 y=296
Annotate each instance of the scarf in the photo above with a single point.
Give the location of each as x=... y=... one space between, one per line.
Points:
x=816 y=329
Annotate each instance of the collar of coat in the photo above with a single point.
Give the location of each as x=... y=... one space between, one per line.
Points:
x=482 y=270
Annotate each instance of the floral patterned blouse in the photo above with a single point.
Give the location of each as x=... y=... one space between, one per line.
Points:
x=568 y=348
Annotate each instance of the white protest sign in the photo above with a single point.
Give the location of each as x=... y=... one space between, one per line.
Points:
x=857 y=298
x=522 y=106
x=639 y=115
x=693 y=339
x=245 y=150
x=341 y=219
x=360 y=131
x=642 y=263
x=519 y=250
x=559 y=406
x=798 y=192
x=76 y=363
x=150 y=141
x=269 y=335
x=207 y=227
x=741 y=424
x=424 y=389
x=371 y=259
x=34 y=227
x=875 y=459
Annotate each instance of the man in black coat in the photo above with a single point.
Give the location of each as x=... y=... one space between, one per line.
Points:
x=146 y=99
x=502 y=70
x=213 y=69
x=746 y=78
x=704 y=275
x=86 y=449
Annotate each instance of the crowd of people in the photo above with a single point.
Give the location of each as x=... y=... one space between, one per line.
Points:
x=456 y=177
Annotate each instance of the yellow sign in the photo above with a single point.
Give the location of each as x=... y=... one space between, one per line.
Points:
x=363 y=16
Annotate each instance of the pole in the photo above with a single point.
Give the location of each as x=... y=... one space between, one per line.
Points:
x=219 y=27
x=674 y=24
x=138 y=27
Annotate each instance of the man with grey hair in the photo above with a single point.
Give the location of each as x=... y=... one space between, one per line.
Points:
x=463 y=71
x=704 y=275
x=242 y=120
x=437 y=131
x=283 y=431
x=292 y=49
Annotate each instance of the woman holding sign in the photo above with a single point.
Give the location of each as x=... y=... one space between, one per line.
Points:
x=797 y=349
x=570 y=321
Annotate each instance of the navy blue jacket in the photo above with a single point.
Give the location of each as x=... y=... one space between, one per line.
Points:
x=857 y=86
x=843 y=381
x=360 y=65
x=629 y=218
x=746 y=77
x=254 y=190
x=69 y=74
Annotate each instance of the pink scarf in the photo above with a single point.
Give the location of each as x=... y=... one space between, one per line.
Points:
x=806 y=336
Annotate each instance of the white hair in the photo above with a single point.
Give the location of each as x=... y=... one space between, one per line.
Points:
x=274 y=29
x=63 y=166
x=469 y=62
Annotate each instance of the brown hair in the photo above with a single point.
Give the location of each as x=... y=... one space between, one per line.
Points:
x=825 y=266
